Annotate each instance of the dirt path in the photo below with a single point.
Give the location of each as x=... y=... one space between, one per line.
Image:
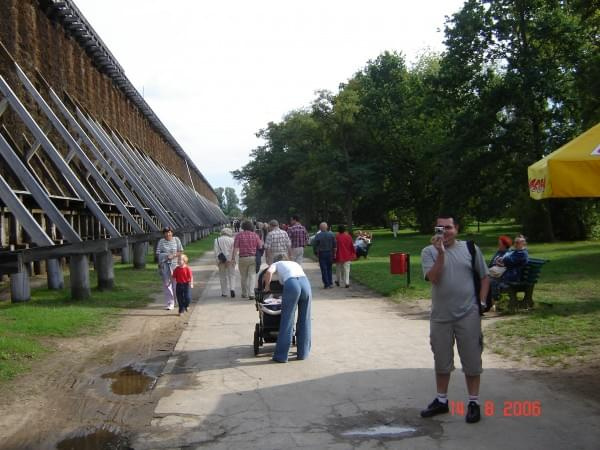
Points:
x=65 y=394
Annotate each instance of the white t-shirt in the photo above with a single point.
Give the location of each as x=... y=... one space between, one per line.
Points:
x=286 y=269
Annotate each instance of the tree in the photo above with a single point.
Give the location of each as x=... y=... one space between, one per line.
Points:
x=233 y=202
x=512 y=78
x=220 y=197
x=228 y=201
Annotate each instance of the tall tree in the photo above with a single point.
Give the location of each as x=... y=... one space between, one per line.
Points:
x=220 y=197
x=233 y=202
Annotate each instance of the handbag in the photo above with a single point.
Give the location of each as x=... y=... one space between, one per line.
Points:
x=221 y=256
x=497 y=271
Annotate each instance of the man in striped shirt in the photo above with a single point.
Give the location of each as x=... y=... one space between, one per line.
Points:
x=277 y=243
x=246 y=244
x=299 y=238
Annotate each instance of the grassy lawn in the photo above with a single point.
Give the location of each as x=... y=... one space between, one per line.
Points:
x=25 y=328
x=561 y=329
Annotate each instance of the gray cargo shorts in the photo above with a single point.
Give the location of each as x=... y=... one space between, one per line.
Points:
x=466 y=331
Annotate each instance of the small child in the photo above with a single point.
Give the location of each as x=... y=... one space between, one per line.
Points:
x=184 y=278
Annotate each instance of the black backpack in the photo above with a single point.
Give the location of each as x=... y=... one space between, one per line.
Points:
x=477 y=282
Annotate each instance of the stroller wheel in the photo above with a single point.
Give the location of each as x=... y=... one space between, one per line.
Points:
x=256 y=340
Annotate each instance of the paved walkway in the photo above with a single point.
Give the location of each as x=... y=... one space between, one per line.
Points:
x=369 y=374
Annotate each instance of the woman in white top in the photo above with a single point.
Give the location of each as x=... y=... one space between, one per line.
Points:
x=296 y=293
x=224 y=244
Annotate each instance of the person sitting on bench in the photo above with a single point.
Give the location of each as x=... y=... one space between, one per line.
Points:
x=514 y=261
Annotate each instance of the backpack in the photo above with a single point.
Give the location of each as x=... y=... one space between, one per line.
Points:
x=477 y=282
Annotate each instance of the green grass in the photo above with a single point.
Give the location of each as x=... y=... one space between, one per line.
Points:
x=26 y=329
x=560 y=330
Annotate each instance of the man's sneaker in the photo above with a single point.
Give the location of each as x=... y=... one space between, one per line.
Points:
x=434 y=408
x=473 y=414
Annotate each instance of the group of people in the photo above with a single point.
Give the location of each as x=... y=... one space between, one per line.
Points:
x=456 y=305
x=507 y=264
x=332 y=248
x=448 y=263
x=247 y=248
x=284 y=255
x=362 y=243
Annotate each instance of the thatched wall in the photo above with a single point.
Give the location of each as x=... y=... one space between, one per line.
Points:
x=40 y=43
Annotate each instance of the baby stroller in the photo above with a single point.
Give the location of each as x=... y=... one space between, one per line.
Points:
x=268 y=305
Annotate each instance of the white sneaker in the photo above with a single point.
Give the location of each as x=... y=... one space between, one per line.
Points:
x=169 y=308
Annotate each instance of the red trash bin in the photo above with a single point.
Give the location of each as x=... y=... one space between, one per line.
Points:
x=398 y=264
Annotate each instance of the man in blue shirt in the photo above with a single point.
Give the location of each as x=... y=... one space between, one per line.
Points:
x=324 y=246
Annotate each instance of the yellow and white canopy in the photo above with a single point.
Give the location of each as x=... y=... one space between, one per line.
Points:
x=571 y=171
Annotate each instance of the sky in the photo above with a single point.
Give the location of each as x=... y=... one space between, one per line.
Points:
x=216 y=72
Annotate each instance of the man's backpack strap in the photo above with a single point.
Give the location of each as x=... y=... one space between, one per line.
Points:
x=476 y=277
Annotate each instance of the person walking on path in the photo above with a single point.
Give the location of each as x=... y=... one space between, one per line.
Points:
x=168 y=250
x=245 y=244
x=277 y=243
x=259 y=254
x=447 y=264
x=296 y=294
x=224 y=244
x=325 y=247
x=299 y=238
x=344 y=254
x=184 y=279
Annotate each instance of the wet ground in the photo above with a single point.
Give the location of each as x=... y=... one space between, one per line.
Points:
x=95 y=392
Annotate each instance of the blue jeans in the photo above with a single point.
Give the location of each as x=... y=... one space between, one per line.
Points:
x=296 y=292
x=326 y=263
x=259 y=254
x=184 y=295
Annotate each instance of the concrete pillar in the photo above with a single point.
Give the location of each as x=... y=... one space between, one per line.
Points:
x=139 y=255
x=20 y=290
x=56 y=280
x=105 y=270
x=126 y=255
x=80 y=277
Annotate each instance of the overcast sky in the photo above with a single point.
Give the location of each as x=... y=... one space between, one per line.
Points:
x=215 y=72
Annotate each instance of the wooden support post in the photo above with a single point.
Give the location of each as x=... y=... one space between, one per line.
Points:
x=80 y=277
x=105 y=270
x=20 y=290
x=139 y=255
x=126 y=254
x=55 y=276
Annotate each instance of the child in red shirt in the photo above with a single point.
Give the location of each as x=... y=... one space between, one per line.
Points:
x=183 y=276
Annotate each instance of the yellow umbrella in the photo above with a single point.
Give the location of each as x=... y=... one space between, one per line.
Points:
x=571 y=171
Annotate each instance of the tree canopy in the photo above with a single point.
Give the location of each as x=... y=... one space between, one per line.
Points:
x=452 y=131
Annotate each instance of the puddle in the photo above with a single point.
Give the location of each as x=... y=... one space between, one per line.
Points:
x=130 y=381
x=380 y=431
x=99 y=439
x=391 y=424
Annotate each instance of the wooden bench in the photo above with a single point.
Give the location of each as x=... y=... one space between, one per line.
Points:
x=529 y=277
